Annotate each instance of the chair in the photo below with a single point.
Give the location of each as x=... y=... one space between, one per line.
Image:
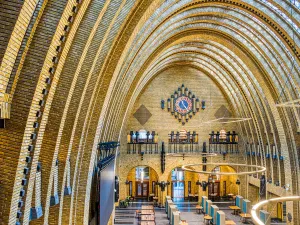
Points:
x=138 y=214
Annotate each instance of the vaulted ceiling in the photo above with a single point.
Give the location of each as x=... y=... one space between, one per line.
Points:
x=72 y=70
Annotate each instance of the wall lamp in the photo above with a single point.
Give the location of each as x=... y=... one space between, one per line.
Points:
x=270 y=181
x=224 y=155
x=202 y=184
x=203 y=105
x=162 y=185
x=286 y=187
x=162 y=104
x=142 y=155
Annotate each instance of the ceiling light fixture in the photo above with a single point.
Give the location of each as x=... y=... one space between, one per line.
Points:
x=228 y=120
x=258 y=169
x=258 y=206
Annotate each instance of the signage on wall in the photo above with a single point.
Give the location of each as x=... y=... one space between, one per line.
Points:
x=183 y=104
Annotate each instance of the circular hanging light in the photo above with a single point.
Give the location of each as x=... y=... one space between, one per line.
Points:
x=228 y=120
x=255 y=209
x=204 y=154
x=259 y=169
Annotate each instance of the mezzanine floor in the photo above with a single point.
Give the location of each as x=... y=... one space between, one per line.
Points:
x=126 y=216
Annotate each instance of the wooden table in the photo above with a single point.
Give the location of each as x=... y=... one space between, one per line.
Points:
x=148 y=218
x=183 y=223
x=207 y=218
x=235 y=209
x=147 y=223
x=199 y=208
x=213 y=196
x=245 y=216
x=230 y=196
x=147 y=212
x=147 y=207
x=191 y=197
x=230 y=222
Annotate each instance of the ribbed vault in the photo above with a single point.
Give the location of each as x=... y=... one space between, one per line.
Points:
x=94 y=58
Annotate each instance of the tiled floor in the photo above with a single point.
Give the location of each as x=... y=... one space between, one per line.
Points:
x=187 y=212
x=187 y=209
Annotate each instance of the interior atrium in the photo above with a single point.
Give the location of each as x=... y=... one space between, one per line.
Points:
x=180 y=112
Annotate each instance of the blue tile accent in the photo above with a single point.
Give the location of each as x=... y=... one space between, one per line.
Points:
x=36 y=212
x=54 y=200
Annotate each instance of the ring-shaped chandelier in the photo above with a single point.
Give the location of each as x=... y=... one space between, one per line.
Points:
x=204 y=154
x=255 y=209
x=228 y=120
x=259 y=169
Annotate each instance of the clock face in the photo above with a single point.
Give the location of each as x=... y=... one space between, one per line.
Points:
x=183 y=105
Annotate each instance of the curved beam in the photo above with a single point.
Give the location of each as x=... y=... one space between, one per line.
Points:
x=255 y=209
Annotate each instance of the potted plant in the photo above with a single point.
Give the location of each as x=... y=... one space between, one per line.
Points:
x=124 y=203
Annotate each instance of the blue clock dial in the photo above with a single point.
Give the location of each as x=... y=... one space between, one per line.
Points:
x=183 y=104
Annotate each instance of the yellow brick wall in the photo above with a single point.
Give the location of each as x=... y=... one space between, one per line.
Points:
x=162 y=122
x=162 y=87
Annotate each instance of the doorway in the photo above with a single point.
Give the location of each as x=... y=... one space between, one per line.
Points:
x=178 y=189
x=141 y=182
x=281 y=211
x=220 y=186
x=214 y=190
x=177 y=177
x=142 y=189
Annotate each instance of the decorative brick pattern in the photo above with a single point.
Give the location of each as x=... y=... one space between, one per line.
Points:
x=142 y=114
x=223 y=112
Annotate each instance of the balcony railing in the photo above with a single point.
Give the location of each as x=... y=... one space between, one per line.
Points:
x=142 y=148
x=106 y=153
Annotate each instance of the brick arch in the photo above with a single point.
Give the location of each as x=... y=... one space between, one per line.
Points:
x=40 y=63
x=170 y=169
x=156 y=173
x=124 y=171
x=272 y=112
x=116 y=104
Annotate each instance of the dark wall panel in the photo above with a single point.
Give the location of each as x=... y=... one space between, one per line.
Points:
x=107 y=181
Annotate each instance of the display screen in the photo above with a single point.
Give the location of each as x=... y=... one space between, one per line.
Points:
x=107 y=183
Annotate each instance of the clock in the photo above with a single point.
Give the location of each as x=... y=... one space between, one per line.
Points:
x=183 y=105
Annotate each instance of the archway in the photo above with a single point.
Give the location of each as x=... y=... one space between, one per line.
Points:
x=222 y=186
x=141 y=182
x=183 y=185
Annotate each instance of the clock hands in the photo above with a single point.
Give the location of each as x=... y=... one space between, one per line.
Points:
x=184 y=104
